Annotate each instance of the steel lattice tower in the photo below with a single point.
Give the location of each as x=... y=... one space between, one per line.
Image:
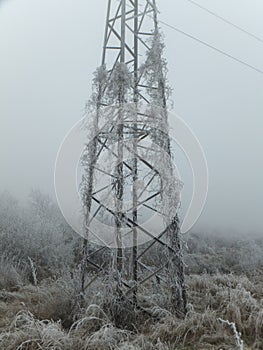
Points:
x=132 y=73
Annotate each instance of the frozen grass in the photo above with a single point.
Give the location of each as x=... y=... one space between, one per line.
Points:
x=12 y=276
x=26 y=332
x=33 y=318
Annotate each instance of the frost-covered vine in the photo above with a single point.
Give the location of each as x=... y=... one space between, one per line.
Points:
x=154 y=71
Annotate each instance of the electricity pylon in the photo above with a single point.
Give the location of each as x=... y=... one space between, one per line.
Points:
x=130 y=101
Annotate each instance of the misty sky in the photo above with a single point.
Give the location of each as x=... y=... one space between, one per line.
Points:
x=48 y=52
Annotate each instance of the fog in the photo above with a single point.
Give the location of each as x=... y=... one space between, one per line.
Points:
x=48 y=52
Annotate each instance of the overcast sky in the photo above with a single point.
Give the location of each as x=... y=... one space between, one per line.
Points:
x=49 y=50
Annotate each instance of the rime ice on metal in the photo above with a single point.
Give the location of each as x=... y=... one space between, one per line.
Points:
x=128 y=171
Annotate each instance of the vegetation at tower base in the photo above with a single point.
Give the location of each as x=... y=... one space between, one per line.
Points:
x=224 y=276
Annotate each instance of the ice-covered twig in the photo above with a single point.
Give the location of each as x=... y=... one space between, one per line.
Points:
x=237 y=335
x=33 y=270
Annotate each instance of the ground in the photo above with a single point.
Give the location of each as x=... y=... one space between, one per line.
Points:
x=224 y=281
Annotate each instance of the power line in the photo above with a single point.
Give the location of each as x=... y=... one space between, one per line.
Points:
x=213 y=47
x=225 y=20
